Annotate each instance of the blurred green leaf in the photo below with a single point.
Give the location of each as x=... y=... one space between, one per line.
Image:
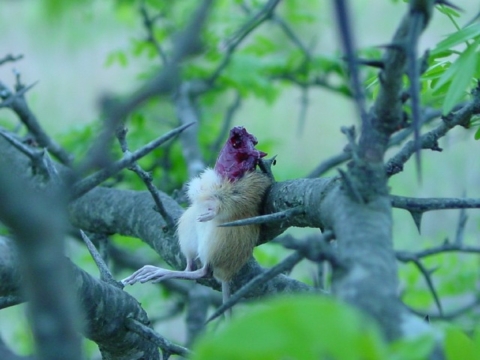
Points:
x=418 y=348
x=458 y=37
x=458 y=345
x=460 y=74
x=300 y=327
x=448 y=11
x=477 y=134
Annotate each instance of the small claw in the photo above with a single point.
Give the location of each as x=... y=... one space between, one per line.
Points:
x=209 y=215
x=146 y=273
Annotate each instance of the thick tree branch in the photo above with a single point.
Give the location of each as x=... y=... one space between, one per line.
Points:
x=46 y=277
x=167 y=347
x=101 y=304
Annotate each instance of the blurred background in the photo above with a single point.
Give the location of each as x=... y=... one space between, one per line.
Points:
x=73 y=55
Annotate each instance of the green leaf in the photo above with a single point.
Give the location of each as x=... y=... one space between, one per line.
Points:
x=116 y=57
x=460 y=73
x=458 y=37
x=448 y=11
x=459 y=346
x=418 y=348
x=477 y=134
x=300 y=327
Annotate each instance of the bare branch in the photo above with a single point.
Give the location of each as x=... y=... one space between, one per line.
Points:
x=147 y=179
x=41 y=162
x=429 y=204
x=265 y=13
x=453 y=314
x=420 y=12
x=226 y=125
x=88 y=183
x=444 y=248
x=166 y=345
x=18 y=104
x=149 y=23
x=344 y=23
x=283 y=266
x=10 y=58
x=403 y=257
x=430 y=139
x=187 y=112
x=330 y=164
x=105 y=274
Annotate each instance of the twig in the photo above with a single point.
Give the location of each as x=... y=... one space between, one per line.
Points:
x=264 y=13
x=105 y=274
x=403 y=257
x=18 y=104
x=187 y=112
x=88 y=183
x=148 y=23
x=226 y=124
x=41 y=162
x=285 y=265
x=429 y=204
x=420 y=13
x=329 y=164
x=315 y=82
x=147 y=180
x=166 y=345
x=304 y=103
x=10 y=58
x=462 y=221
x=451 y=315
x=444 y=248
x=344 y=24
x=428 y=116
x=263 y=219
x=430 y=139
x=312 y=249
x=315 y=248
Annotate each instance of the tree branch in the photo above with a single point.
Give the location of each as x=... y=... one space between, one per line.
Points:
x=19 y=105
x=430 y=204
x=430 y=140
x=90 y=182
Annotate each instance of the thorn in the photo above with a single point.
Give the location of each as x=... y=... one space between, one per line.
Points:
x=350 y=187
x=373 y=63
x=263 y=219
x=417 y=219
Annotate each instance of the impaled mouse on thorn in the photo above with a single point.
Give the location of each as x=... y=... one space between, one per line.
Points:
x=233 y=190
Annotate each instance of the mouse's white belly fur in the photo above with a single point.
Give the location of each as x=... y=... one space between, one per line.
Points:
x=195 y=237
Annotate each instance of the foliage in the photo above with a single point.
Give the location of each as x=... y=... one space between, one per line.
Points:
x=300 y=327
